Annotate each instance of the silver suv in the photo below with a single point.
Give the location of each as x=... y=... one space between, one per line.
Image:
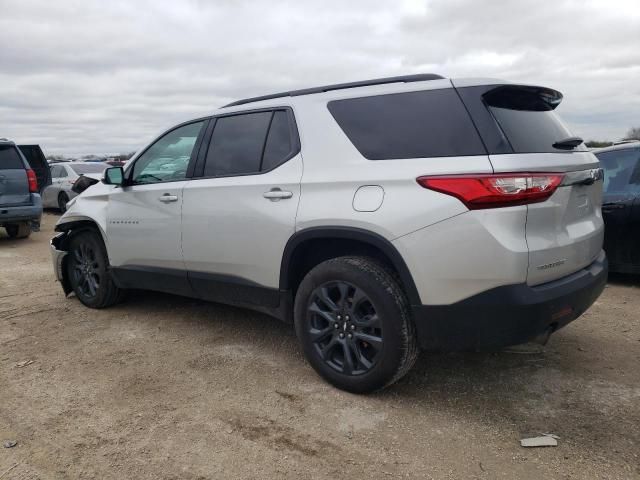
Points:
x=379 y=217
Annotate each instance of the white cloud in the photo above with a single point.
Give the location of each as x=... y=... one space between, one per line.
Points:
x=91 y=76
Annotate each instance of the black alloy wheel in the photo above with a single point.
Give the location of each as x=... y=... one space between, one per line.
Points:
x=86 y=272
x=354 y=323
x=87 y=269
x=344 y=327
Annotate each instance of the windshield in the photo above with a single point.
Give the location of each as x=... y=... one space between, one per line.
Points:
x=81 y=168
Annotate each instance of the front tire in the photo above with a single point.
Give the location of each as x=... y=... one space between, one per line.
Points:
x=353 y=321
x=88 y=272
x=18 y=230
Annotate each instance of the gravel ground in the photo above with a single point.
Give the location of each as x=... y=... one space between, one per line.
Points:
x=163 y=387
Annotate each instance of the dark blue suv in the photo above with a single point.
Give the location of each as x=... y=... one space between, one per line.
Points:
x=20 y=202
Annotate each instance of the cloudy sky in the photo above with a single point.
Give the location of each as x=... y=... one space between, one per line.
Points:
x=94 y=76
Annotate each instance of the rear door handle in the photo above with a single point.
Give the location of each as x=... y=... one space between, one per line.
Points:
x=276 y=194
x=168 y=198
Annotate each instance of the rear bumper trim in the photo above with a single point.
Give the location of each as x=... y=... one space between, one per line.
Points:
x=511 y=314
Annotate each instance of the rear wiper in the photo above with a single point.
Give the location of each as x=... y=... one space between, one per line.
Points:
x=568 y=143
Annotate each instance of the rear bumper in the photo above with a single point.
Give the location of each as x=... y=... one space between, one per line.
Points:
x=23 y=213
x=511 y=314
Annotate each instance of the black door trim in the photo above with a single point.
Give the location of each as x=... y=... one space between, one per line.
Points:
x=227 y=289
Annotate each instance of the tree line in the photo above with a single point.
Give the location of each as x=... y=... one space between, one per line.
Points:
x=632 y=134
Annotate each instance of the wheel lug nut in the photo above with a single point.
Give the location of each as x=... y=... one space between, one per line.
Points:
x=353 y=327
x=339 y=317
x=341 y=335
x=350 y=336
x=335 y=325
x=347 y=318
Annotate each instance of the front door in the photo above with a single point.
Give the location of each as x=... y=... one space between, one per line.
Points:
x=144 y=216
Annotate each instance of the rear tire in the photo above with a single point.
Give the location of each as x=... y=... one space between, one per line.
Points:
x=87 y=268
x=374 y=343
x=18 y=230
x=63 y=199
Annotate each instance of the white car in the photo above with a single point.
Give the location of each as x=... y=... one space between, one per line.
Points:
x=379 y=217
x=63 y=176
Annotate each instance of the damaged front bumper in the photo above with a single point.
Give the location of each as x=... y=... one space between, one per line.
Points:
x=57 y=257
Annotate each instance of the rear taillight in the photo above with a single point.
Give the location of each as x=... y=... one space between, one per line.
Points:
x=33 y=181
x=494 y=191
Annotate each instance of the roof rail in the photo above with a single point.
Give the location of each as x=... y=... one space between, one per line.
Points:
x=420 y=77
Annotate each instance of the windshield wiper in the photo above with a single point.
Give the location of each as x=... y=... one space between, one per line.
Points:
x=568 y=143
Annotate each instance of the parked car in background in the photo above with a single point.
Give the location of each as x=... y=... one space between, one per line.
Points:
x=621 y=205
x=63 y=176
x=20 y=201
x=115 y=163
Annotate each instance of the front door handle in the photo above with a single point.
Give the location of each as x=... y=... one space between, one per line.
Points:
x=276 y=194
x=168 y=198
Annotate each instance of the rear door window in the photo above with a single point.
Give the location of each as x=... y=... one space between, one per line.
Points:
x=236 y=144
x=10 y=158
x=431 y=123
x=251 y=143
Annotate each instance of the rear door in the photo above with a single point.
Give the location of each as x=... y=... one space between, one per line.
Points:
x=14 y=186
x=240 y=212
x=565 y=232
x=621 y=207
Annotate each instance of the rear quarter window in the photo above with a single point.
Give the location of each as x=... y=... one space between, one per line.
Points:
x=432 y=123
x=10 y=158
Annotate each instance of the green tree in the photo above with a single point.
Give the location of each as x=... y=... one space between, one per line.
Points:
x=598 y=144
x=633 y=134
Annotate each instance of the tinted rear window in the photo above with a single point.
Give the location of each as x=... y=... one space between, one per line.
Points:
x=526 y=116
x=10 y=158
x=431 y=123
x=89 y=168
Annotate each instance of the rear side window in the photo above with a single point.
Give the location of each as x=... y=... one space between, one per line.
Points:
x=432 y=123
x=621 y=170
x=58 y=172
x=9 y=158
x=526 y=116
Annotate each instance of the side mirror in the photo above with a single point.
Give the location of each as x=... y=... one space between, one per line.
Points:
x=113 y=176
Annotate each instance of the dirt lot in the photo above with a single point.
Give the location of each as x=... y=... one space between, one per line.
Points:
x=166 y=387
